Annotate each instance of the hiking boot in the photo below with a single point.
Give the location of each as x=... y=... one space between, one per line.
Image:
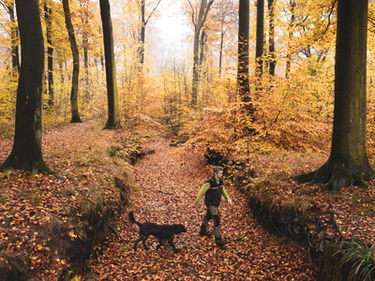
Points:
x=204 y=233
x=219 y=242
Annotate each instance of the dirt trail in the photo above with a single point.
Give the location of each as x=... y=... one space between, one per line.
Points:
x=168 y=181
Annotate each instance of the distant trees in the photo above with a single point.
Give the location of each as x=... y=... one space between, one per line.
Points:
x=348 y=162
x=198 y=13
x=48 y=19
x=225 y=17
x=27 y=146
x=144 y=21
x=14 y=37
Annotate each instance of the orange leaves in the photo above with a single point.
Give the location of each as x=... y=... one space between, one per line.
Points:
x=250 y=253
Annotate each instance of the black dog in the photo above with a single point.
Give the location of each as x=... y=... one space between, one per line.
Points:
x=161 y=232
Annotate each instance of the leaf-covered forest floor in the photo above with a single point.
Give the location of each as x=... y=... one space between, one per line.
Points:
x=167 y=182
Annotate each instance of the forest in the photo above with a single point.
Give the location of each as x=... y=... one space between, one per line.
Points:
x=111 y=106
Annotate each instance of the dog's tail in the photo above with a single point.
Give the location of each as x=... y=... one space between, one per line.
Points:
x=132 y=219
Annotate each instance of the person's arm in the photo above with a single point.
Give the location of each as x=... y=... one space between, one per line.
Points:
x=202 y=192
x=225 y=194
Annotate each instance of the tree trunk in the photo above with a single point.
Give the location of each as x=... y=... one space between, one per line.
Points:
x=272 y=59
x=110 y=66
x=75 y=77
x=27 y=146
x=202 y=17
x=243 y=77
x=85 y=44
x=289 y=54
x=348 y=163
x=48 y=18
x=194 y=95
x=202 y=42
x=141 y=47
x=259 y=38
x=221 y=51
x=14 y=41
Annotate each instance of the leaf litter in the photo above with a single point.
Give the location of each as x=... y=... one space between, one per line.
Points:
x=168 y=182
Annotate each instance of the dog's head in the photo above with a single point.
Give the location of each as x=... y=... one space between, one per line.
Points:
x=180 y=228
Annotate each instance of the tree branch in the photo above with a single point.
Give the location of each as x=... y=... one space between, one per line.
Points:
x=152 y=12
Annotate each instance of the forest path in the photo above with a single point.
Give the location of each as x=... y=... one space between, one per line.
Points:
x=168 y=182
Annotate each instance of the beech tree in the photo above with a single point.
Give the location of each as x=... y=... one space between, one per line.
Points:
x=243 y=78
x=9 y=7
x=144 y=22
x=225 y=16
x=288 y=65
x=48 y=19
x=271 y=36
x=259 y=38
x=110 y=66
x=75 y=76
x=348 y=162
x=26 y=153
x=198 y=13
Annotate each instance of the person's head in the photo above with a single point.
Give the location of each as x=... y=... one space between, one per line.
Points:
x=218 y=172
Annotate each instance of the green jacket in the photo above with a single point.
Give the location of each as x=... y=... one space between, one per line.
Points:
x=205 y=188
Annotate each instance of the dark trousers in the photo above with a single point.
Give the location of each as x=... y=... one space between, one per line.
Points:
x=212 y=213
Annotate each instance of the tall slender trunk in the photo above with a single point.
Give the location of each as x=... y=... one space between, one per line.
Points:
x=141 y=47
x=75 y=77
x=243 y=77
x=202 y=43
x=289 y=54
x=48 y=18
x=14 y=41
x=202 y=17
x=221 y=51
x=259 y=38
x=272 y=59
x=110 y=66
x=85 y=42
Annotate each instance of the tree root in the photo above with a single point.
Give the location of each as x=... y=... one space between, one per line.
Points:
x=335 y=177
x=36 y=167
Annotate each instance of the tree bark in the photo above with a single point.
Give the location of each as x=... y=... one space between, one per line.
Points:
x=348 y=162
x=289 y=54
x=26 y=153
x=272 y=59
x=110 y=66
x=75 y=77
x=48 y=18
x=221 y=50
x=141 y=47
x=144 y=21
x=259 y=38
x=85 y=44
x=14 y=43
x=198 y=25
x=243 y=77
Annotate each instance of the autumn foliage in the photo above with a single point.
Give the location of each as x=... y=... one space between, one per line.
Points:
x=44 y=220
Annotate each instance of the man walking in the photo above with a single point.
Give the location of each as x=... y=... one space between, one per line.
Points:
x=212 y=190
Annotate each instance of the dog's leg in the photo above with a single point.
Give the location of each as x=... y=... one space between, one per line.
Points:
x=160 y=243
x=170 y=241
x=136 y=243
x=144 y=242
x=141 y=238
